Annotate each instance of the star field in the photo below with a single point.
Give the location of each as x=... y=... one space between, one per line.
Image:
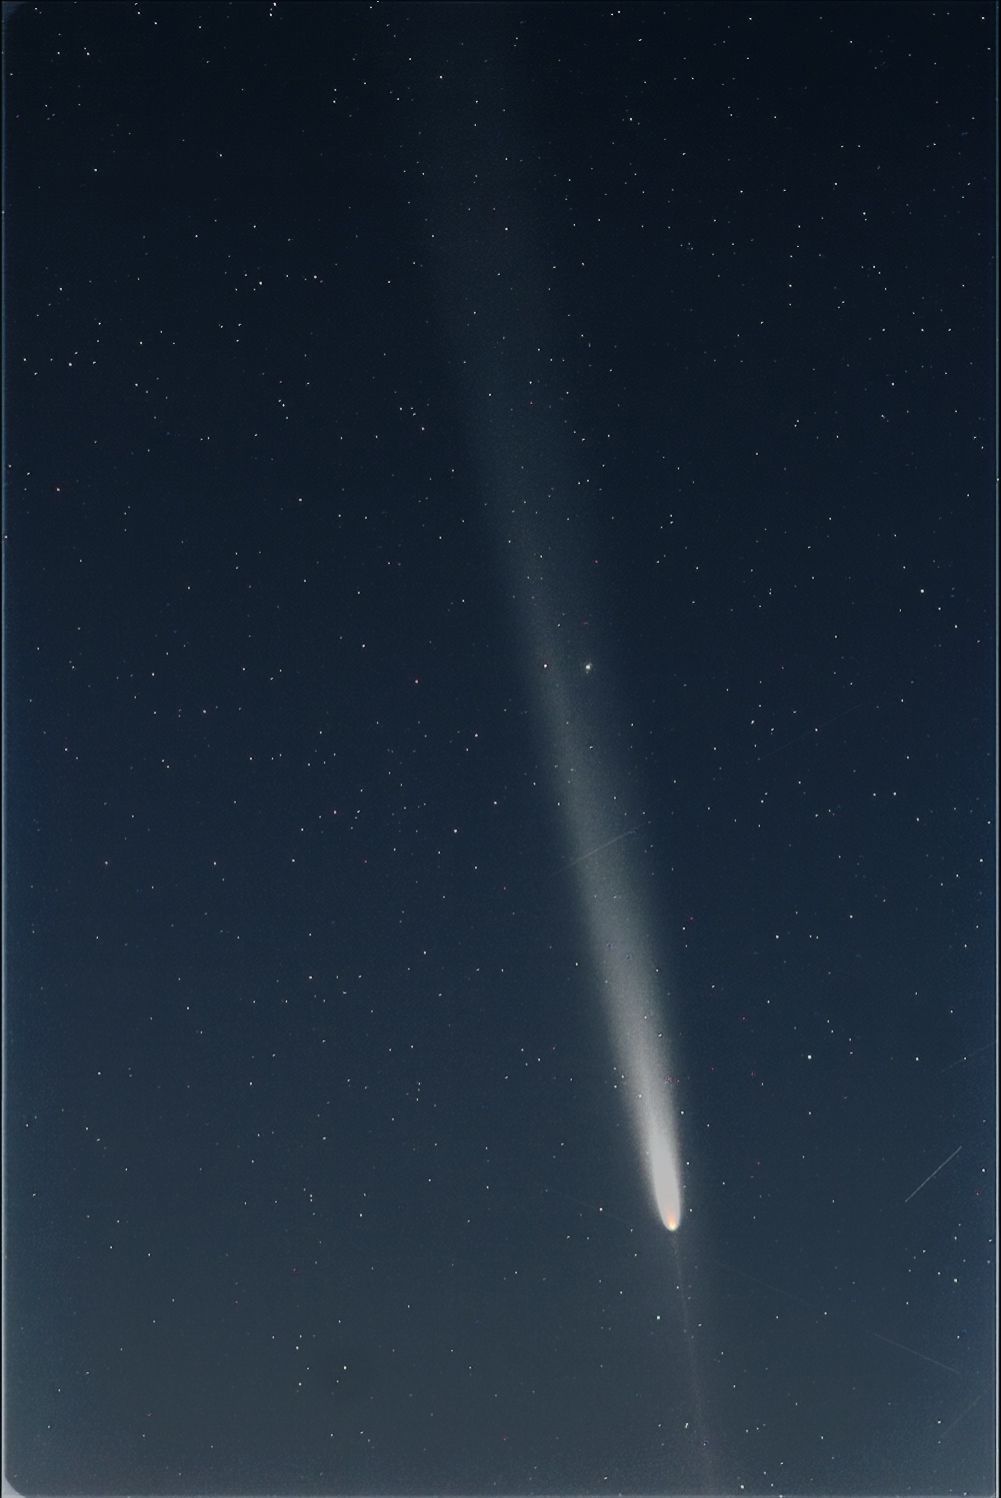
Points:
x=414 y=414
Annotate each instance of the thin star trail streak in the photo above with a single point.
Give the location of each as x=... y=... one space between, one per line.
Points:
x=961 y=1416
x=821 y=1310
x=933 y=1175
x=913 y=1352
x=961 y=1060
x=593 y=853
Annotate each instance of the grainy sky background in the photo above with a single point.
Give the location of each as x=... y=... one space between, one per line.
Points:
x=344 y=344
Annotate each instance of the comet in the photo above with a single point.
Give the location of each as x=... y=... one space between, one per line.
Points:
x=532 y=493
x=619 y=927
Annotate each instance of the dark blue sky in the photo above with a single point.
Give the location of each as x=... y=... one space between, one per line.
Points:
x=348 y=346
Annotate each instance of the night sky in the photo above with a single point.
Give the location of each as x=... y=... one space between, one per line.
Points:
x=499 y=519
